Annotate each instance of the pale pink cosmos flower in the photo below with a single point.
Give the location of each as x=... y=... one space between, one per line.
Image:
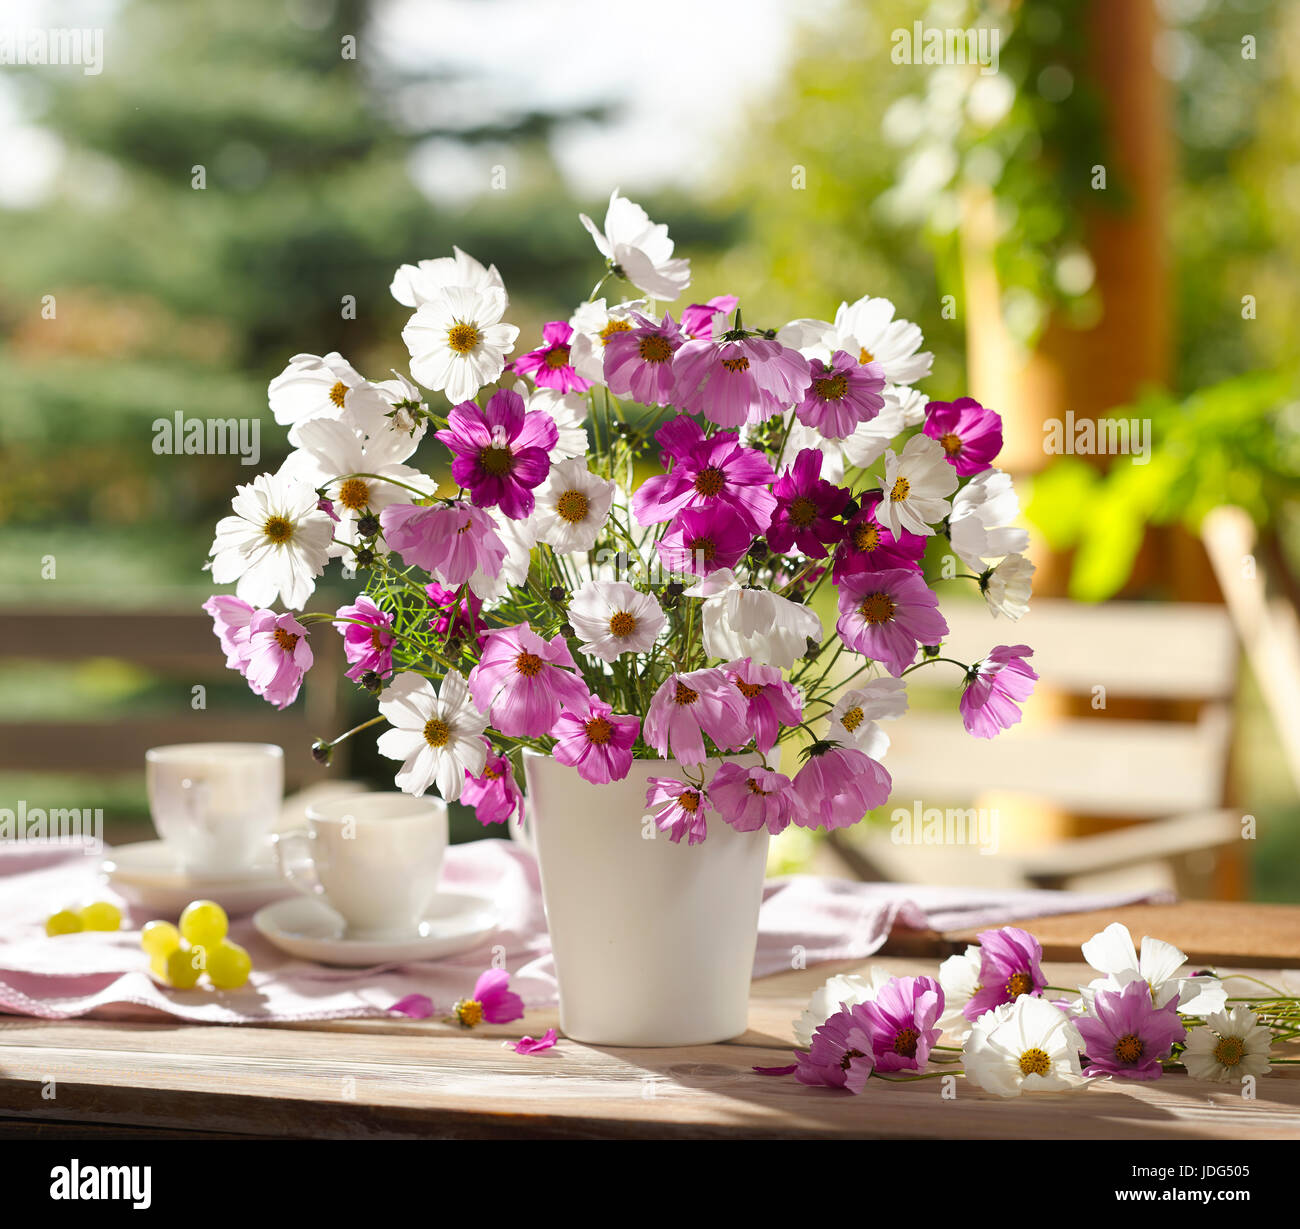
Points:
x=678 y=809
x=885 y=615
x=524 y=682
x=753 y=798
x=995 y=687
x=596 y=742
x=230 y=618
x=451 y=541
x=276 y=656
x=770 y=701
x=838 y=785
x=492 y=1001
x=367 y=638
x=688 y=706
x=738 y=379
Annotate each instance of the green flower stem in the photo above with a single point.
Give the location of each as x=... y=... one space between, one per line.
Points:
x=931 y=660
x=356 y=729
x=391 y=482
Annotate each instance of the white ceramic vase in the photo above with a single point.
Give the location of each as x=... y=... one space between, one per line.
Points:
x=653 y=942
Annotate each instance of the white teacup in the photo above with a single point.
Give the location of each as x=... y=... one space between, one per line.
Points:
x=215 y=803
x=374 y=858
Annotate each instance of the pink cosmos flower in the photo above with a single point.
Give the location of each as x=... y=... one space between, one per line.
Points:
x=842 y=394
x=451 y=541
x=523 y=682
x=688 y=706
x=841 y=1054
x=502 y=451
x=753 y=798
x=678 y=809
x=1010 y=965
x=738 y=379
x=549 y=364
x=276 y=656
x=706 y=472
x=994 y=688
x=971 y=435
x=902 y=1021
x=806 y=508
x=596 y=742
x=770 y=701
x=885 y=615
x=535 y=1045
x=639 y=360
x=327 y=506
x=369 y=647
x=700 y=319
x=837 y=786
x=702 y=540
x=492 y=1000
x=1126 y=1034
x=454 y=618
x=493 y=794
x=230 y=619
x=869 y=546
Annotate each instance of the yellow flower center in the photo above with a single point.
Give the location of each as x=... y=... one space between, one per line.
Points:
x=286 y=640
x=831 y=388
x=377 y=639
x=278 y=529
x=705 y=547
x=900 y=489
x=1128 y=1049
x=529 y=665
x=684 y=695
x=469 y=1012
x=710 y=481
x=437 y=733
x=572 y=506
x=614 y=326
x=754 y=788
x=622 y=624
x=557 y=357
x=736 y=365
x=689 y=801
x=866 y=536
x=852 y=719
x=751 y=691
x=803 y=511
x=338 y=394
x=951 y=443
x=1018 y=984
x=865 y=356
x=599 y=731
x=1035 y=1062
x=496 y=461
x=463 y=337
x=1230 y=1051
x=354 y=494
x=877 y=608
x=905 y=1042
x=849 y=1056
x=655 y=349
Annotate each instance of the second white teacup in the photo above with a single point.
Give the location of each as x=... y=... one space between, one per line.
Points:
x=374 y=858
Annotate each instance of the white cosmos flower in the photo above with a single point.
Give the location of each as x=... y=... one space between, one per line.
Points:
x=867 y=330
x=911 y=402
x=569 y=410
x=611 y=617
x=842 y=990
x=755 y=623
x=572 y=507
x=640 y=249
x=1111 y=952
x=1024 y=1046
x=1232 y=1045
x=593 y=324
x=517 y=537
x=276 y=543
x=1008 y=587
x=917 y=483
x=423 y=282
x=330 y=452
x=869 y=440
x=313 y=386
x=402 y=420
x=457 y=341
x=438 y=737
x=980 y=523
x=960 y=978
x=854 y=715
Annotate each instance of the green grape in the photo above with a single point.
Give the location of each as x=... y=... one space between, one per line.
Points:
x=160 y=938
x=100 y=915
x=204 y=922
x=183 y=969
x=65 y=922
x=158 y=967
x=228 y=966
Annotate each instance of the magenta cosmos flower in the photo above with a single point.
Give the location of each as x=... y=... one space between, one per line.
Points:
x=549 y=364
x=230 y=619
x=493 y=794
x=452 y=541
x=971 y=435
x=523 y=682
x=995 y=687
x=367 y=638
x=841 y=395
x=1010 y=965
x=596 y=742
x=702 y=540
x=807 y=508
x=839 y=1056
x=869 y=546
x=688 y=706
x=753 y=798
x=678 y=809
x=706 y=473
x=902 y=1021
x=639 y=360
x=501 y=451
x=770 y=702
x=492 y=1000
x=885 y=615
x=738 y=379
x=1126 y=1034
x=276 y=656
x=838 y=785
x=700 y=319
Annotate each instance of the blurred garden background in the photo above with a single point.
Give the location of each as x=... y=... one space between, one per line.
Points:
x=1108 y=224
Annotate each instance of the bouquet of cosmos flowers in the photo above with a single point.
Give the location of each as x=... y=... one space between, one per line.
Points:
x=559 y=598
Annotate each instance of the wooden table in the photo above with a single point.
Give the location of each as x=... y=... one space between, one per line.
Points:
x=417 y=1079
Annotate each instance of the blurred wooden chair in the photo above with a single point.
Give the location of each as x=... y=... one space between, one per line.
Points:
x=179 y=648
x=1143 y=802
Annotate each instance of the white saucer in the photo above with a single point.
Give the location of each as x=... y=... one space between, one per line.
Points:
x=150 y=873
x=307 y=927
